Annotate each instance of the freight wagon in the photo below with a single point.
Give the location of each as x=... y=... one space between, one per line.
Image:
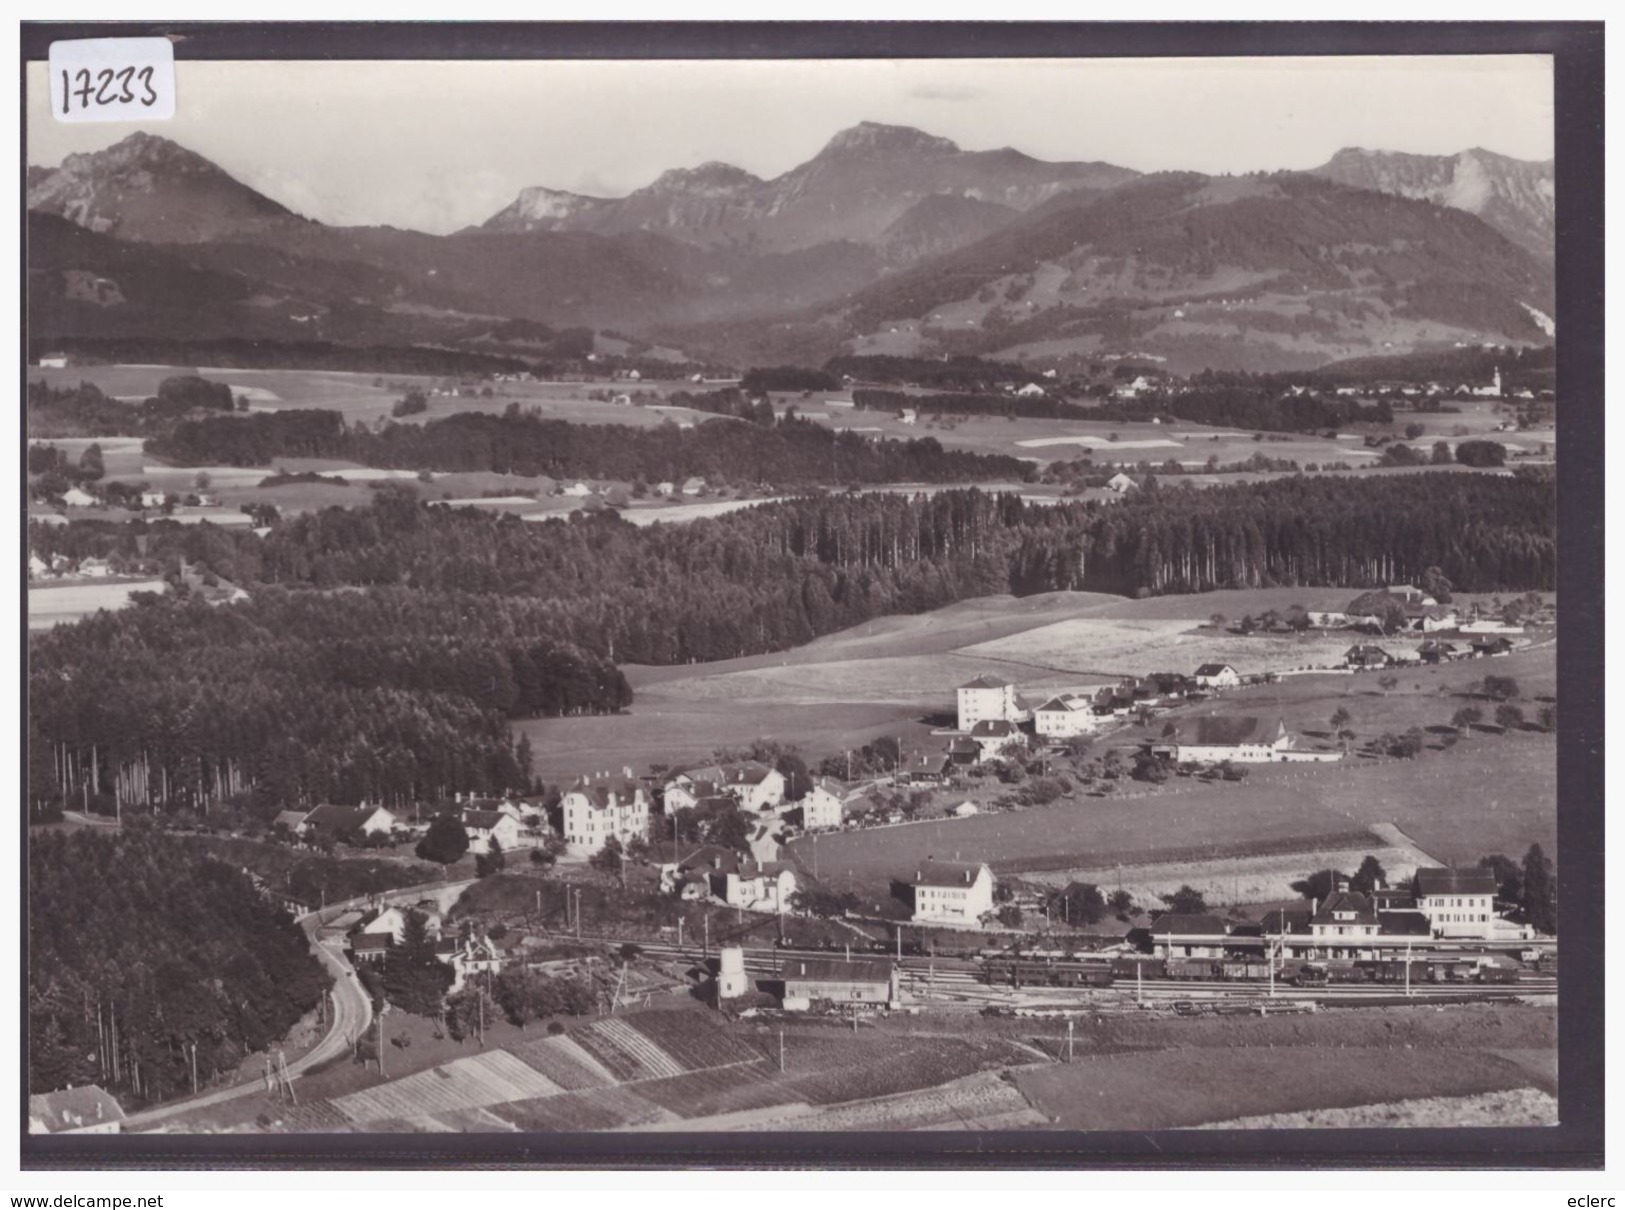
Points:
x=1016 y=972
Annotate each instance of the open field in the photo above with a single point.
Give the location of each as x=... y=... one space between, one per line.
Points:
x=52 y=604
x=1187 y=1087
x=1239 y=880
x=1487 y=793
x=1516 y=1107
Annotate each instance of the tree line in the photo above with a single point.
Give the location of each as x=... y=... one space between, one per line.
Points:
x=789 y=453
x=391 y=695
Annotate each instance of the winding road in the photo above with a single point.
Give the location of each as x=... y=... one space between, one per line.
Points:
x=352 y=1007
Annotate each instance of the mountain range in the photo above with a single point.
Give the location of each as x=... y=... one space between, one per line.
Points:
x=888 y=240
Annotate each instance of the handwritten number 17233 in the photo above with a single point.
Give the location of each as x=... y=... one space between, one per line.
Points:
x=107 y=87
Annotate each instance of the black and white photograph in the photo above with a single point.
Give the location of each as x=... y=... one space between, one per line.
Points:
x=705 y=596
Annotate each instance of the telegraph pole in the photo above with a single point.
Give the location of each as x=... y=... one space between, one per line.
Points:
x=781 y=1050
x=1069 y=1039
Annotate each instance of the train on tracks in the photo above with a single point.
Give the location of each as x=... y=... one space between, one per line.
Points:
x=1036 y=971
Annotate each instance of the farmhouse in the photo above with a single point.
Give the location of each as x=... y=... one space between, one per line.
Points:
x=336 y=823
x=154 y=499
x=1217 y=738
x=1489 y=626
x=391 y=922
x=693 y=486
x=596 y=808
x=467 y=956
x=1031 y=391
x=86 y=1109
x=53 y=361
x=987 y=697
x=952 y=891
x=289 y=821
x=1066 y=715
x=1217 y=676
x=1435 y=651
x=849 y=981
x=1121 y=483
x=994 y=737
x=1365 y=655
x=1498 y=645
x=38 y=568
x=488 y=829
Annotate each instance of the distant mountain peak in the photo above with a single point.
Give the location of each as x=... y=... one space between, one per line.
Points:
x=869 y=137
x=1516 y=197
x=711 y=177
x=147 y=187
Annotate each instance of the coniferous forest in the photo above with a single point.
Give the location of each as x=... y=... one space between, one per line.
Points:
x=144 y=954
x=788 y=453
x=385 y=648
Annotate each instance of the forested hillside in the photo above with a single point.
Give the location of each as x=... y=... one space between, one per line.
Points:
x=139 y=951
x=790 y=453
x=393 y=695
x=459 y=620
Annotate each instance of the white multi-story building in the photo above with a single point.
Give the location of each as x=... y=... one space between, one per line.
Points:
x=1461 y=903
x=987 y=699
x=1066 y=715
x=596 y=808
x=952 y=891
x=824 y=806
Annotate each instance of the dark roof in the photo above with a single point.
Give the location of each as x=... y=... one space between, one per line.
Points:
x=599 y=789
x=1437 y=880
x=368 y=942
x=711 y=857
x=482 y=819
x=1488 y=641
x=71 y=1109
x=995 y=728
x=1212 y=669
x=837 y=970
x=747 y=773
x=1065 y=701
x=1369 y=651
x=931 y=872
x=701 y=787
x=1205 y=925
x=986 y=682
x=1286 y=920
x=1406 y=924
x=1346 y=901
x=1222 y=730
x=963 y=745
x=333 y=818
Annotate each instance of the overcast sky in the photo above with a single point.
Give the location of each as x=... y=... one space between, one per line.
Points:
x=437 y=146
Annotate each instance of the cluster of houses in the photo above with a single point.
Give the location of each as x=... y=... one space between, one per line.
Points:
x=371 y=937
x=60 y=567
x=991 y=714
x=490 y=823
x=1439 y=906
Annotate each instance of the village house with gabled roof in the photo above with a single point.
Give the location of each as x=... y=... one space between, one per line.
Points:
x=1122 y=484
x=952 y=891
x=1189 y=935
x=1217 y=676
x=995 y=737
x=1066 y=715
x=605 y=805
x=485 y=828
x=336 y=822
x=1366 y=655
x=1435 y=651
x=85 y=1109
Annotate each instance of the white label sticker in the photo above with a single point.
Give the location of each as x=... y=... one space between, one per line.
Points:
x=113 y=80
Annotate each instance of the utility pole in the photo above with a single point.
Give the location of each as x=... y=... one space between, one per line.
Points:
x=1069 y=1039
x=193 y=1048
x=781 y=1050
x=1139 y=984
x=707 y=951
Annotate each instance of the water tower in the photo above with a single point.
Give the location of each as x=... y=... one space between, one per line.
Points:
x=731 y=981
